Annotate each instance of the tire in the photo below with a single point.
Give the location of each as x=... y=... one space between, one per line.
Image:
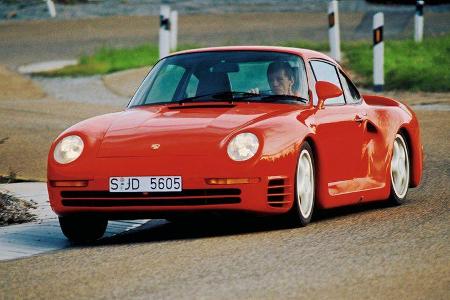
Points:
x=304 y=196
x=399 y=170
x=83 y=229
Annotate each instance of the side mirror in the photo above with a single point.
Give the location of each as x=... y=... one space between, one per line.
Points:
x=326 y=90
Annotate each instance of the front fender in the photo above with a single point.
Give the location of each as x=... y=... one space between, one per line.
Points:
x=91 y=132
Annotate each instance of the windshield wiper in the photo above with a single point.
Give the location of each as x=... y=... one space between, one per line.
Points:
x=230 y=96
x=271 y=98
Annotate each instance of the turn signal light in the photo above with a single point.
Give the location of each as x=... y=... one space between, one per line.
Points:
x=69 y=183
x=232 y=180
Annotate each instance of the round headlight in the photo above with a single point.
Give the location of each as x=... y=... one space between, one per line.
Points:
x=68 y=149
x=243 y=146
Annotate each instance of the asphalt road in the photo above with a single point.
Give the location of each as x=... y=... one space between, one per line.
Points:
x=369 y=251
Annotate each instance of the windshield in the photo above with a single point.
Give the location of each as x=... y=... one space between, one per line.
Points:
x=225 y=76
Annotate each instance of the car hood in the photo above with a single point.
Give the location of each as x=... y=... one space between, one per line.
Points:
x=194 y=129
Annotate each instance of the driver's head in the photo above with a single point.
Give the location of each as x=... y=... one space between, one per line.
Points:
x=281 y=78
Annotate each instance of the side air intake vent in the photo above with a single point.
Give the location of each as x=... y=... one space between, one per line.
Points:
x=278 y=192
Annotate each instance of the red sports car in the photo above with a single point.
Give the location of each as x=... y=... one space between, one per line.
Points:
x=268 y=130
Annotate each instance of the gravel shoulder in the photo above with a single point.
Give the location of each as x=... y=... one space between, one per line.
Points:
x=14 y=210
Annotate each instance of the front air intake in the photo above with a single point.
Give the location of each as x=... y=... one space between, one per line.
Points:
x=188 y=197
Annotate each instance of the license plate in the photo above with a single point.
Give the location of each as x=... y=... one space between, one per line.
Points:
x=145 y=184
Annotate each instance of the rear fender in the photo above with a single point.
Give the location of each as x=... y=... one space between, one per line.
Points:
x=411 y=130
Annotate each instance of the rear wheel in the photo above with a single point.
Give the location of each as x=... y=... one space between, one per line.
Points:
x=400 y=170
x=83 y=229
x=303 y=208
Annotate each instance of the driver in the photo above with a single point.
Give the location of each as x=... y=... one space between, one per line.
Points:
x=280 y=76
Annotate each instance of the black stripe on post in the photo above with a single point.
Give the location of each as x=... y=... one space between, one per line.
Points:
x=419 y=8
x=377 y=88
x=331 y=20
x=164 y=23
x=377 y=35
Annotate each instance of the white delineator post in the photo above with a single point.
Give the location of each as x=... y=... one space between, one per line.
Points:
x=51 y=8
x=333 y=30
x=418 y=21
x=173 y=30
x=378 y=52
x=164 y=31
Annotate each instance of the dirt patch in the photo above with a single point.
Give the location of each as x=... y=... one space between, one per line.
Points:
x=125 y=83
x=14 y=86
x=14 y=210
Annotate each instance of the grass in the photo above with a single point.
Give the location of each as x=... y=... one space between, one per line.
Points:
x=408 y=65
x=109 y=60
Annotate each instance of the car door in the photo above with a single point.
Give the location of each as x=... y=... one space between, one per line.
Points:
x=371 y=171
x=354 y=102
x=339 y=139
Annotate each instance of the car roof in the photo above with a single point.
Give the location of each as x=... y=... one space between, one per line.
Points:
x=305 y=53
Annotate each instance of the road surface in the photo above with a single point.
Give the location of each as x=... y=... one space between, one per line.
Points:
x=371 y=251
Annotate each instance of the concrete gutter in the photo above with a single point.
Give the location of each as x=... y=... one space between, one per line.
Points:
x=45 y=66
x=44 y=234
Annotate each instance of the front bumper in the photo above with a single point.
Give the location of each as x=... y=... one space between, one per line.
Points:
x=272 y=195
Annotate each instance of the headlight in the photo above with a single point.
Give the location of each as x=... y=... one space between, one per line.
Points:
x=68 y=149
x=243 y=146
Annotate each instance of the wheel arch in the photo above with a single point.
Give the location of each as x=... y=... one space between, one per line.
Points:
x=415 y=155
x=319 y=192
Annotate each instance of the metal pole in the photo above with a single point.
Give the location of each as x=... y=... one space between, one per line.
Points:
x=173 y=30
x=51 y=8
x=378 y=52
x=164 y=31
x=333 y=30
x=418 y=22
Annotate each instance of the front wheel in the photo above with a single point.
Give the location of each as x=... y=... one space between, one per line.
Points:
x=83 y=229
x=304 y=196
x=400 y=170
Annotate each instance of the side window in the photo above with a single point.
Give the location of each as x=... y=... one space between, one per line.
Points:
x=326 y=72
x=351 y=93
x=345 y=89
x=301 y=83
